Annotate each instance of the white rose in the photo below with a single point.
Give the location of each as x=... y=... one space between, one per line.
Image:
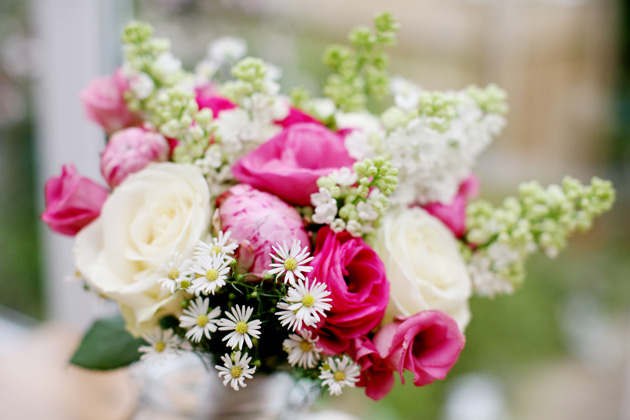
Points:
x=423 y=265
x=160 y=210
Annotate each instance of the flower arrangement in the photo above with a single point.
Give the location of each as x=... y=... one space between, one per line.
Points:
x=294 y=232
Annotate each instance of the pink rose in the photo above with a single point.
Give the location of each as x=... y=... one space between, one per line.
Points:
x=376 y=377
x=104 y=104
x=257 y=221
x=131 y=150
x=454 y=215
x=72 y=201
x=297 y=116
x=289 y=164
x=355 y=276
x=207 y=99
x=427 y=344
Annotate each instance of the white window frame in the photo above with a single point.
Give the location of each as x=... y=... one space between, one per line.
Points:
x=78 y=41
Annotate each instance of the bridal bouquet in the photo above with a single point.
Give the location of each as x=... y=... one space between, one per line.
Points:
x=294 y=232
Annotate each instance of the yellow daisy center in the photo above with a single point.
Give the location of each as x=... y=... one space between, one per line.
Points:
x=212 y=274
x=202 y=320
x=173 y=274
x=185 y=284
x=305 y=346
x=308 y=300
x=236 y=371
x=216 y=249
x=340 y=376
x=290 y=264
x=241 y=327
x=160 y=346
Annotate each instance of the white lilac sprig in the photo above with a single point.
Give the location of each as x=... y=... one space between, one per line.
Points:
x=304 y=305
x=243 y=330
x=211 y=273
x=354 y=200
x=162 y=345
x=538 y=219
x=200 y=320
x=302 y=349
x=176 y=274
x=292 y=263
x=235 y=370
x=433 y=138
x=338 y=373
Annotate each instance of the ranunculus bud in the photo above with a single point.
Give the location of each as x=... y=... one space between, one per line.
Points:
x=257 y=221
x=104 y=104
x=131 y=150
x=72 y=201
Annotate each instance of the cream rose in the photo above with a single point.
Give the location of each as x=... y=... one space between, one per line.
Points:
x=423 y=265
x=154 y=213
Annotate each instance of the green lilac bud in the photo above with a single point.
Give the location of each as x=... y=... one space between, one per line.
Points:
x=492 y=99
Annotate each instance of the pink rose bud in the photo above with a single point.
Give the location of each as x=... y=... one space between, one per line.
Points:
x=104 y=104
x=454 y=215
x=257 y=221
x=289 y=164
x=72 y=201
x=427 y=344
x=131 y=150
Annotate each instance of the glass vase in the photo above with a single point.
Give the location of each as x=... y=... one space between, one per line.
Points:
x=185 y=388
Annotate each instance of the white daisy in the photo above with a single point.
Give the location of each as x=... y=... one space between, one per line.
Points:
x=211 y=273
x=235 y=370
x=302 y=350
x=176 y=274
x=291 y=263
x=304 y=304
x=217 y=245
x=163 y=344
x=340 y=373
x=200 y=318
x=240 y=327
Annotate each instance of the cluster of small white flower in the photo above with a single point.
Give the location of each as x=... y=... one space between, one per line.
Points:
x=327 y=212
x=305 y=306
x=239 y=130
x=222 y=54
x=306 y=301
x=203 y=274
x=339 y=372
x=432 y=161
x=484 y=270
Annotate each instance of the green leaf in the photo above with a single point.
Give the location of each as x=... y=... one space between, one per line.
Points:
x=107 y=345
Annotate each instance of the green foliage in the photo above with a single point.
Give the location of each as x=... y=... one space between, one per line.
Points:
x=107 y=345
x=360 y=71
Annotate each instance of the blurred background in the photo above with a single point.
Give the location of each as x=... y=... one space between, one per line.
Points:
x=557 y=349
